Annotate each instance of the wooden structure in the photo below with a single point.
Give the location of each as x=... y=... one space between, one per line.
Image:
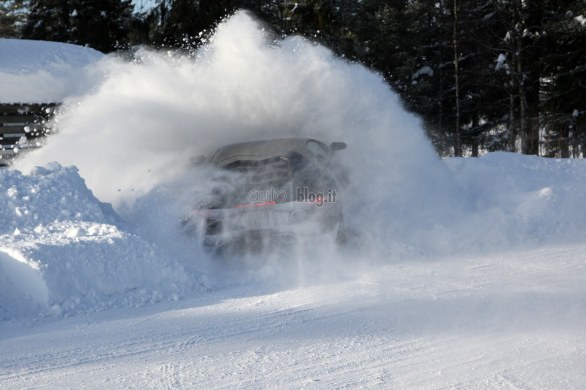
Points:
x=20 y=127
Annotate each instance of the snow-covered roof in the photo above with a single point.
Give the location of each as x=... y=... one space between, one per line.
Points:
x=41 y=71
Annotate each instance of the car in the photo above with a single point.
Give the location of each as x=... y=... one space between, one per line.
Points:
x=271 y=193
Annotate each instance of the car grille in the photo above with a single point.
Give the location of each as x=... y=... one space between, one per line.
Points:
x=213 y=226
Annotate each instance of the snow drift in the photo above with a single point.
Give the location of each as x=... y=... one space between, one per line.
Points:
x=43 y=72
x=62 y=250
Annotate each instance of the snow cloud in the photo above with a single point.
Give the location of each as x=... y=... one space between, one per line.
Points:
x=136 y=135
x=148 y=120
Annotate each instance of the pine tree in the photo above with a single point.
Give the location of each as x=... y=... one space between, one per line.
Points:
x=182 y=23
x=564 y=71
x=49 y=20
x=101 y=24
x=12 y=18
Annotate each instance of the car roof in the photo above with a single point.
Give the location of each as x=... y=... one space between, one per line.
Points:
x=261 y=150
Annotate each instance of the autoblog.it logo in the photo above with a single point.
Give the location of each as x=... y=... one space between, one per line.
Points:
x=319 y=198
x=302 y=194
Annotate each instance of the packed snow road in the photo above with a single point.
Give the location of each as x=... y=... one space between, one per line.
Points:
x=509 y=321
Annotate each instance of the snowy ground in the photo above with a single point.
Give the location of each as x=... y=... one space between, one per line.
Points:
x=87 y=303
x=506 y=321
x=463 y=273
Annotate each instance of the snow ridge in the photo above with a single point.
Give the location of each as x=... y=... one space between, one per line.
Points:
x=62 y=251
x=43 y=72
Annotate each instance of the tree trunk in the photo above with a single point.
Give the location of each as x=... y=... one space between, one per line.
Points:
x=512 y=135
x=529 y=60
x=475 y=136
x=456 y=37
x=522 y=102
x=564 y=136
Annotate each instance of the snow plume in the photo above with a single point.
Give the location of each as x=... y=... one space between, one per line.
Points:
x=136 y=136
x=149 y=119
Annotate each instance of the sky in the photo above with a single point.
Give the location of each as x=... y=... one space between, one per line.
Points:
x=143 y=5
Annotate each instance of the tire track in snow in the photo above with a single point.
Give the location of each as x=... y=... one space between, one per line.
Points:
x=371 y=332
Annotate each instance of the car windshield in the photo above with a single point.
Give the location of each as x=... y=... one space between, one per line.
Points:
x=259 y=181
x=319 y=150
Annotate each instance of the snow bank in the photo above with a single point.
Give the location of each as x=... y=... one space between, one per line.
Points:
x=62 y=251
x=507 y=200
x=49 y=194
x=42 y=72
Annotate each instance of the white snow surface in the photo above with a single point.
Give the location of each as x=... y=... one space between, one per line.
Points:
x=501 y=62
x=42 y=71
x=63 y=251
x=461 y=273
x=509 y=320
